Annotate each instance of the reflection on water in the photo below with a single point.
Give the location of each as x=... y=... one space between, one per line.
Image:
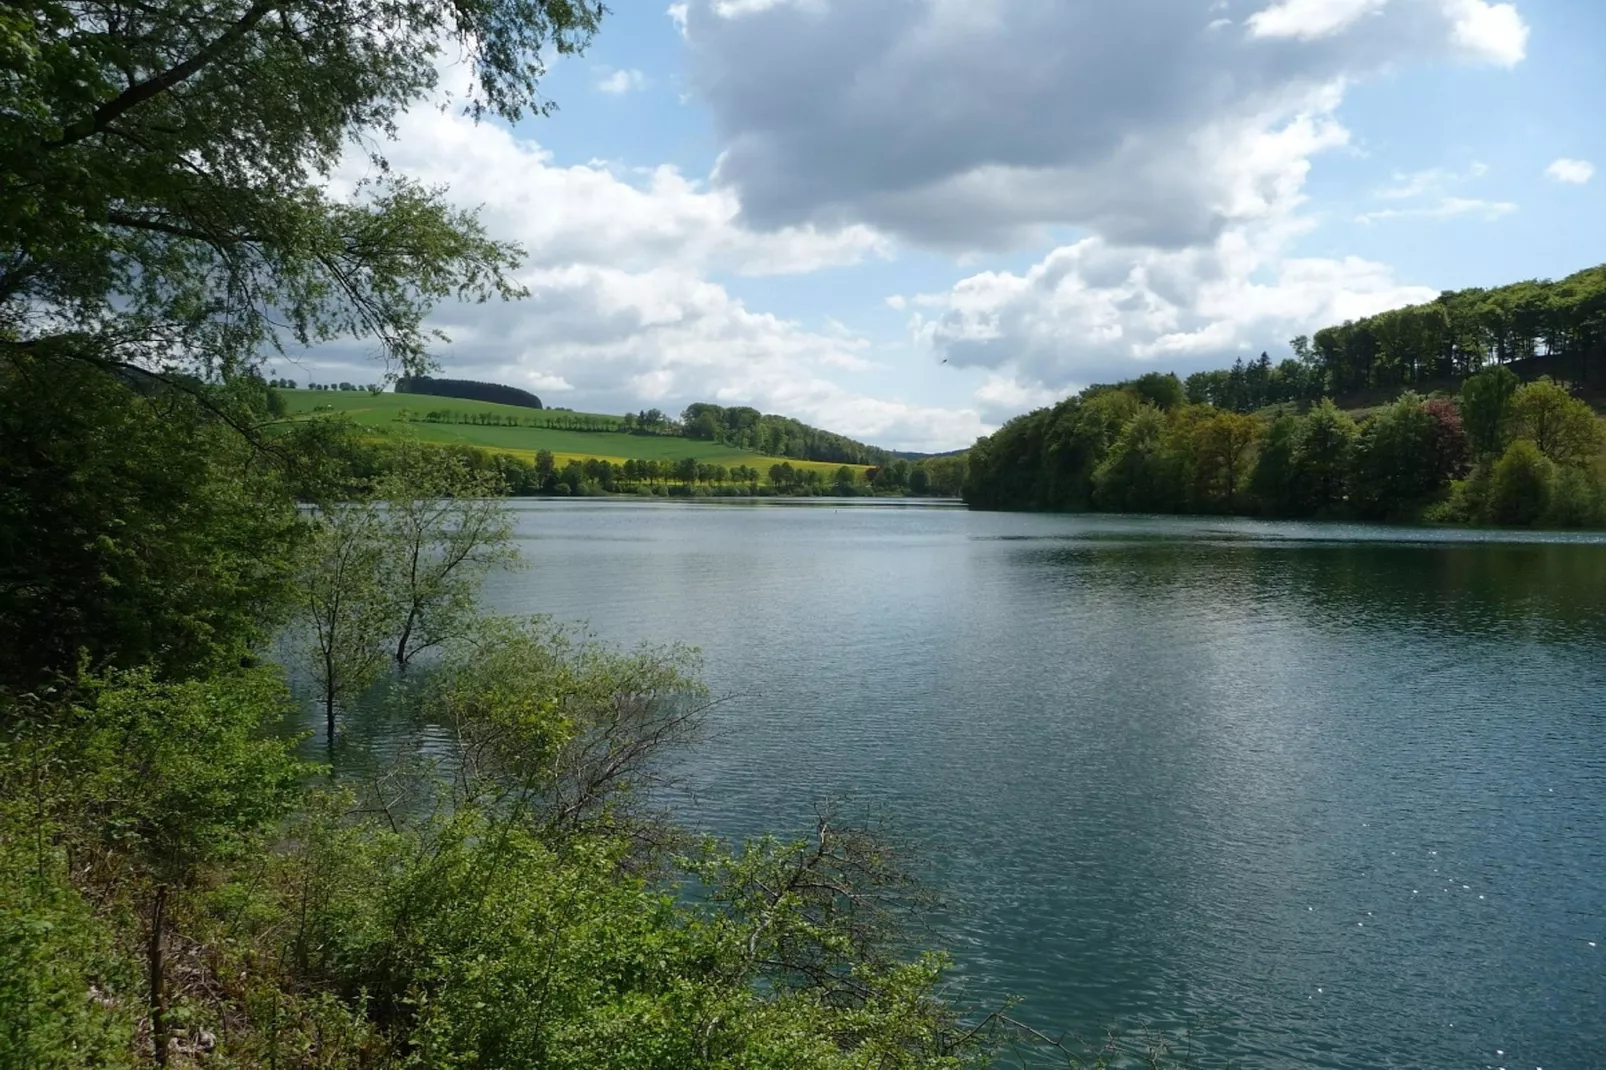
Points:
x=1337 y=792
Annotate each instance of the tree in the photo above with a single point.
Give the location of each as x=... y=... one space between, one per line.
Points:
x=1221 y=445
x=163 y=195
x=1272 y=481
x=1137 y=476
x=1564 y=428
x=1519 y=487
x=1322 y=458
x=345 y=607
x=136 y=526
x=442 y=528
x=1400 y=459
x=1486 y=408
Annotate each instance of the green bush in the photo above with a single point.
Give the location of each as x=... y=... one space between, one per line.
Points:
x=1577 y=499
x=1519 y=486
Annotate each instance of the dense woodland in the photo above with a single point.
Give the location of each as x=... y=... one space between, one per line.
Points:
x=1535 y=328
x=185 y=880
x=1498 y=452
x=468 y=390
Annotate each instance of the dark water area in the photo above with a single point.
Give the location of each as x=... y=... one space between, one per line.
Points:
x=1332 y=795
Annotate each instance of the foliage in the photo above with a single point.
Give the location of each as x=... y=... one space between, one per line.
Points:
x=442 y=528
x=1564 y=428
x=1108 y=449
x=136 y=527
x=1138 y=475
x=54 y=955
x=1405 y=457
x=163 y=184
x=467 y=389
x=1486 y=408
x=778 y=436
x=1519 y=487
x=1322 y=459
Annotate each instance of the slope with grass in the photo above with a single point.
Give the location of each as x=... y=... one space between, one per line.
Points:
x=397 y=414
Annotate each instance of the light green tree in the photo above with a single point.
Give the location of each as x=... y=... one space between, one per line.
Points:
x=1565 y=428
x=1519 y=486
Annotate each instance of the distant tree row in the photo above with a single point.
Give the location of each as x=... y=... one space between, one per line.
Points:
x=1499 y=452
x=1536 y=328
x=290 y=384
x=550 y=419
x=467 y=390
x=776 y=436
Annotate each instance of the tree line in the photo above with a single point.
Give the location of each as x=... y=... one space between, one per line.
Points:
x=776 y=436
x=375 y=460
x=1499 y=452
x=1535 y=328
x=467 y=390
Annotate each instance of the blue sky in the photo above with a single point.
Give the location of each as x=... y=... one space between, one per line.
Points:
x=908 y=220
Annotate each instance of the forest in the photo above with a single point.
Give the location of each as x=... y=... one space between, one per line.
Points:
x=467 y=389
x=190 y=876
x=1500 y=451
x=1535 y=328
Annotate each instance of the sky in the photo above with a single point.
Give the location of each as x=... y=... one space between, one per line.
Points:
x=910 y=220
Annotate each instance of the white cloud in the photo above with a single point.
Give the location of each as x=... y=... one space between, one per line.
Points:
x=1488 y=33
x=1433 y=188
x=1446 y=208
x=1310 y=19
x=1571 y=172
x=1002 y=397
x=1431 y=181
x=619 y=82
x=1095 y=311
x=677 y=14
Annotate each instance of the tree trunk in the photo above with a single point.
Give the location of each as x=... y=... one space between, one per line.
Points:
x=329 y=714
x=401 y=644
x=158 y=994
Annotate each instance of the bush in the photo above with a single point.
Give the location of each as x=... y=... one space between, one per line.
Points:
x=1577 y=499
x=1519 y=487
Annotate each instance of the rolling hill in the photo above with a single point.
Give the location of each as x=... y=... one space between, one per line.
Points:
x=522 y=431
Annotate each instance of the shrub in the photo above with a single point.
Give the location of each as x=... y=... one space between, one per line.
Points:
x=1519 y=487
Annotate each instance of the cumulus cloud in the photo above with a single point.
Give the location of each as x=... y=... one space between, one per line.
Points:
x=1097 y=311
x=620 y=82
x=970 y=125
x=1310 y=19
x=1571 y=172
x=1488 y=33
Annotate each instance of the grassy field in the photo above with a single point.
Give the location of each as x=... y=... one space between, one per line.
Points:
x=384 y=415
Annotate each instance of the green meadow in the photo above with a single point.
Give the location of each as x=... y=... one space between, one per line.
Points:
x=392 y=414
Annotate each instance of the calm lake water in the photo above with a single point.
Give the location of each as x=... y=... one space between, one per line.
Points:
x=1335 y=795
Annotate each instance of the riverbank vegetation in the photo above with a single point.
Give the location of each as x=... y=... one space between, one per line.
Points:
x=1498 y=452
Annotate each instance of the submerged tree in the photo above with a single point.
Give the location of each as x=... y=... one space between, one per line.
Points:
x=442 y=527
x=346 y=608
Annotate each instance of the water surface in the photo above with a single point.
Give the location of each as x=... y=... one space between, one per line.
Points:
x=1334 y=794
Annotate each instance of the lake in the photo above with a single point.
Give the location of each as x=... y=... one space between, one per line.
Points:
x=1333 y=795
